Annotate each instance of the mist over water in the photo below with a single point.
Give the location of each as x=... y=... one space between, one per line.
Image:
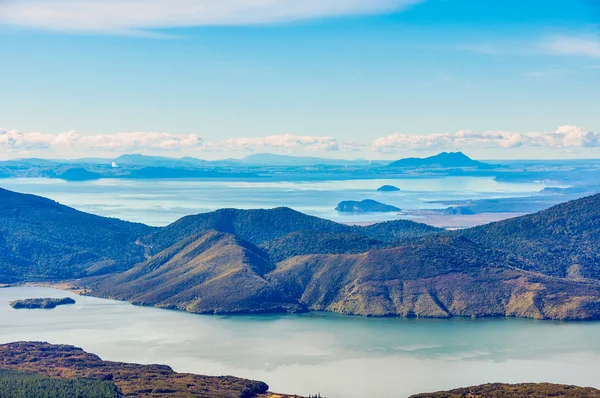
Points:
x=335 y=355
x=160 y=202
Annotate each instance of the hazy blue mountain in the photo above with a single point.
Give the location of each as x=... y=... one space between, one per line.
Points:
x=445 y=160
x=287 y=160
x=158 y=161
x=79 y=174
x=175 y=172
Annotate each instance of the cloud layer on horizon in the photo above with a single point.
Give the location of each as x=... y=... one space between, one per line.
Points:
x=123 y=16
x=15 y=140
x=16 y=143
x=564 y=137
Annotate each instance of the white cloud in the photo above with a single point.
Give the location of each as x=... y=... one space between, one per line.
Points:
x=15 y=141
x=563 y=137
x=586 y=46
x=135 y=15
x=280 y=143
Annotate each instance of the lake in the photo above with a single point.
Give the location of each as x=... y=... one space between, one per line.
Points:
x=317 y=352
x=160 y=202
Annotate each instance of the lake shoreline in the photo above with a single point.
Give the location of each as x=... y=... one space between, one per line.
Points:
x=338 y=355
x=76 y=289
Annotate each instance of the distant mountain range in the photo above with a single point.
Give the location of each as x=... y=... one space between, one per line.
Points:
x=442 y=160
x=543 y=265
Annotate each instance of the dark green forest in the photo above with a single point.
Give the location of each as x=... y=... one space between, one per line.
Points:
x=15 y=384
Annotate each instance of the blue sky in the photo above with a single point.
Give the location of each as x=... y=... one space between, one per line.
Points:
x=346 y=79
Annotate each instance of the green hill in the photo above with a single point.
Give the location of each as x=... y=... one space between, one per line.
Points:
x=41 y=239
x=261 y=226
x=563 y=240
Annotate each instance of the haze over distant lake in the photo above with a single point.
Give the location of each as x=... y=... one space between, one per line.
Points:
x=160 y=202
x=335 y=355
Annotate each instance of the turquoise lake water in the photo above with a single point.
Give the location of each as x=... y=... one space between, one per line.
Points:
x=304 y=354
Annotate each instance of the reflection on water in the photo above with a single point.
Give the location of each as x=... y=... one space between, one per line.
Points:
x=159 y=202
x=332 y=354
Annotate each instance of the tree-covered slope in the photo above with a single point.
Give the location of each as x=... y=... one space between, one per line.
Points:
x=315 y=242
x=254 y=226
x=28 y=385
x=563 y=240
x=41 y=239
x=262 y=226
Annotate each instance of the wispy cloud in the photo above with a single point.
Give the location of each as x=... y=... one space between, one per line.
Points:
x=563 y=137
x=14 y=141
x=547 y=74
x=585 y=46
x=279 y=143
x=130 y=16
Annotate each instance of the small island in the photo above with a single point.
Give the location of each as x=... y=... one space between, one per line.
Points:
x=387 y=188
x=41 y=302
x=365 y=206
x=457 y=211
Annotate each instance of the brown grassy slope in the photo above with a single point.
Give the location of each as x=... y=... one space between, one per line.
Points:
x=211 y=273
x=530 y=390
x=439 y=276
x=132 y=380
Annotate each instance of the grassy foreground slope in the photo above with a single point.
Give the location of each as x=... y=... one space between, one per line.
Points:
x=131 y=380
x=529 y=390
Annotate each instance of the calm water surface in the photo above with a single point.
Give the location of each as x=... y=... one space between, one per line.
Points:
x=335 y=355
x=160 y=202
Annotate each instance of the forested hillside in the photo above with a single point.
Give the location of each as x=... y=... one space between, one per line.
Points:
x=41 y=239
x=563 y=240
x=27 y=385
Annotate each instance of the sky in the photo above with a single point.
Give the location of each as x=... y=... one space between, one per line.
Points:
x=377 y=79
